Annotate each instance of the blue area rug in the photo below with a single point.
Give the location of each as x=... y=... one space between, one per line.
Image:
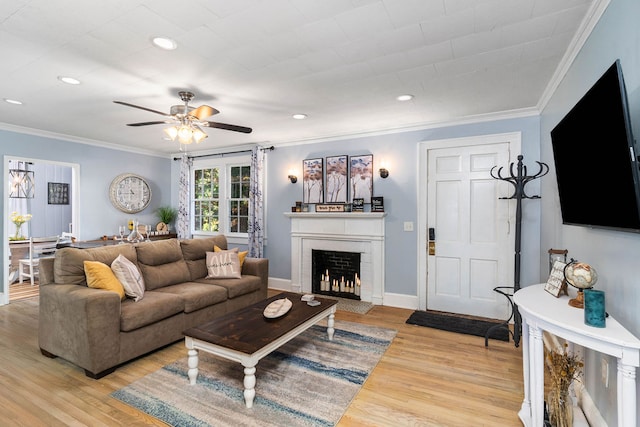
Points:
x=309 y=381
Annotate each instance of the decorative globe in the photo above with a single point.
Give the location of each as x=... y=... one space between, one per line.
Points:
x=581 y=275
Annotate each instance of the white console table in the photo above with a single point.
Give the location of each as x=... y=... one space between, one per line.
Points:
x=540 y=312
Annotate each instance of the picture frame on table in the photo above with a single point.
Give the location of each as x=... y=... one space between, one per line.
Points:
x=556 y=281
x=312 y=181
x=336 y=179
x=361 y=177
x=357 y=205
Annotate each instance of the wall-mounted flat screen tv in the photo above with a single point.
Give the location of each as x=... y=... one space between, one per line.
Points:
x=595 y=159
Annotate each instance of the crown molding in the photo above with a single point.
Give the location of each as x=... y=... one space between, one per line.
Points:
x=69 y=138
x=479 y=118
x=589 y=22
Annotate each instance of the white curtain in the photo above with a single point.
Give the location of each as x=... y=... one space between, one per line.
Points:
x=182 y=223
x=256 y=204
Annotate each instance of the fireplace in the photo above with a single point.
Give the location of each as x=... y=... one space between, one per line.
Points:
x=353 y=232
x=335 y=273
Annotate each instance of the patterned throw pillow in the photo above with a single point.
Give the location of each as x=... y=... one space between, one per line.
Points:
x=100 y=276
x=223 y=265
x=130 y=277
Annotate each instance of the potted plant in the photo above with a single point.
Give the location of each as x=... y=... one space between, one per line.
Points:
x=167 y=214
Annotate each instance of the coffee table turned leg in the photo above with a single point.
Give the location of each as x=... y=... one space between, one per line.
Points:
x=249 y=385
x=330 y=323
x=192 y=362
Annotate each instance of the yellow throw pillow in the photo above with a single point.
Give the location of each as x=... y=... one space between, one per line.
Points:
x=241 y=255
x=100 y=276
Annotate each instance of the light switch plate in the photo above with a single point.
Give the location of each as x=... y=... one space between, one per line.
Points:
x=408 y=226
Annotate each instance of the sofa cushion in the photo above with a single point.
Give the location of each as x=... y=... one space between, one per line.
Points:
x=194 y=253
x=236 y=287
x=196 y=295
x=223 y=265
x=100 y=276
x=68 y=266
x=161 y=263
x=130 y=277
x=154 y=307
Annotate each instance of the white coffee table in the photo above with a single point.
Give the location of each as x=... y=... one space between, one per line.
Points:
x=246 y=336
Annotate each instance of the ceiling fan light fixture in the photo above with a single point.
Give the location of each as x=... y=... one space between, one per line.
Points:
x=199 y=135
x=185 y=133
x=187 y=121
x=164 y=43
x=171 y=132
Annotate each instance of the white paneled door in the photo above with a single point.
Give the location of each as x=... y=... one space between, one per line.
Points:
x=473 y=250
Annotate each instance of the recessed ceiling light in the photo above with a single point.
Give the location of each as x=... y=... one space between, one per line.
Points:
x=404 y=97
x=299 y=116
x=69 y=80
x=12 y=101
x=164 y=43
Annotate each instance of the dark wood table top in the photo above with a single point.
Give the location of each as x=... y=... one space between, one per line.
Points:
x=247 y=330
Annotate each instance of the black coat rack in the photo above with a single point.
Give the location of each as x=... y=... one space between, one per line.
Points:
x=518 y=181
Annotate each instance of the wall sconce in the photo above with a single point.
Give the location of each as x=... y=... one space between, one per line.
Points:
x=21 y=181
x=384 y=172
x=293 y=176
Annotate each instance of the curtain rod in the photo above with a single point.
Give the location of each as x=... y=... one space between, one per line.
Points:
x=223 y=154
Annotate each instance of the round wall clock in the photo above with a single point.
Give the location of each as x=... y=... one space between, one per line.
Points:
x=129 y=193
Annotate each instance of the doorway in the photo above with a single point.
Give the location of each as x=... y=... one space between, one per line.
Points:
x=473 y=231
x=50 y=215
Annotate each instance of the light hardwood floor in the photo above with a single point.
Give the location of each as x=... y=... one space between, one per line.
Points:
x=427 y=377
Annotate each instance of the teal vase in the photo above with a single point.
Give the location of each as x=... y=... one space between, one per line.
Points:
x=594 y=309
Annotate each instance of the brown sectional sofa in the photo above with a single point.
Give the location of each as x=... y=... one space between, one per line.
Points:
x=95 y=330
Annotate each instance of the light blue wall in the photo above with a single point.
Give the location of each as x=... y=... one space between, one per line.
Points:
x=400 y=192
x=614 y=254
x=98 y=167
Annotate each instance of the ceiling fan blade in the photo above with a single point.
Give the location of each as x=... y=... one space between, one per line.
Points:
x=226 y=126
x=149 y=123
x=142 y=108
x=203 y=111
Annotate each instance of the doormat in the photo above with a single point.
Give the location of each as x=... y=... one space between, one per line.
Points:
x=455 y=323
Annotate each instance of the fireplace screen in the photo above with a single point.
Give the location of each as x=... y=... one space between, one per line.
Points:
x=335 y=273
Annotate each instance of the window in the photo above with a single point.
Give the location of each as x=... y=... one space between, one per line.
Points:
x=220 y=197
x=239 y=200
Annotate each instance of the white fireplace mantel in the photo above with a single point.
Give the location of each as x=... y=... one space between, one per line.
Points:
x=361 y=232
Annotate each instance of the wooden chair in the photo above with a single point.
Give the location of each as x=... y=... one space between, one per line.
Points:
x=39 y=247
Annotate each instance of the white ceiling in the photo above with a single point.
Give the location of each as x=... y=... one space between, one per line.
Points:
x=341 y=62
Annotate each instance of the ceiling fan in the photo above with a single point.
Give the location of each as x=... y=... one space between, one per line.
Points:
x=187 y=121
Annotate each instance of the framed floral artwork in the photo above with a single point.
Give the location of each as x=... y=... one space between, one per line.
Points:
x=361 y=178
x=312 y=181
x=336 y=180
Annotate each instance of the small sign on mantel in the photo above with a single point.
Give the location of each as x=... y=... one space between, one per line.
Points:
x=377 y=204
x=330 y=208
